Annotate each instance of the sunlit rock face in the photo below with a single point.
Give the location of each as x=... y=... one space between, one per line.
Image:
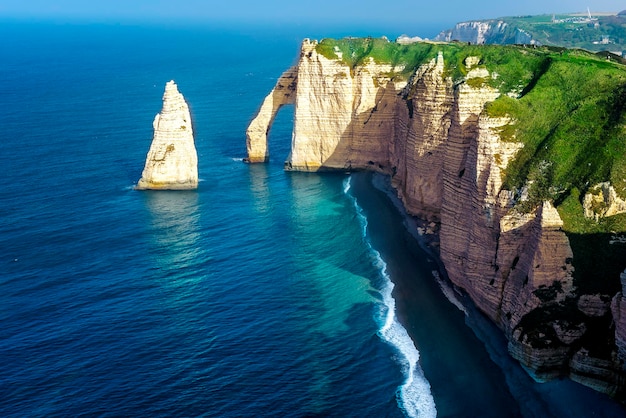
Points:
x=340 y=113
x=172 y=161
x=341 y=128
x=602 y=201
x=486 y=32
x=475 y=32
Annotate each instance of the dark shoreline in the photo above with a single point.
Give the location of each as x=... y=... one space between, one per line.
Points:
x=476 y=333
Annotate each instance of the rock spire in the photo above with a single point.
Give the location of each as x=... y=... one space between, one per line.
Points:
x=172 y=161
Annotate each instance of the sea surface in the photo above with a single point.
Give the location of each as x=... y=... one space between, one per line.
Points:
x=263 y=293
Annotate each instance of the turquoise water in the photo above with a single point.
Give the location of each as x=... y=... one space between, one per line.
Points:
x=263 y=293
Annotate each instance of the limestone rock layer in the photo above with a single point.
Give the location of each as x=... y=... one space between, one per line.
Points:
x=172 y=161
x=446 y=161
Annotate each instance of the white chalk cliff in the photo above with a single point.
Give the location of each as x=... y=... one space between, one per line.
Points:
x=446 y=161
x=172 y=161
x=486 y=32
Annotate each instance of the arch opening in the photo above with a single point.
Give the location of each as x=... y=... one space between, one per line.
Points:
x=284 y=92
x=279 y=135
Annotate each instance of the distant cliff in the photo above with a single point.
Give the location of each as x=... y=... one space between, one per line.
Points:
x=603 y=32
x=486 y=32
x=503 y=147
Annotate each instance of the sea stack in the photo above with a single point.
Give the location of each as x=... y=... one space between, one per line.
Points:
x=172 y=161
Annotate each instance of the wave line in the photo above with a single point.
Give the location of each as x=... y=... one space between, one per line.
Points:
x=414 y=396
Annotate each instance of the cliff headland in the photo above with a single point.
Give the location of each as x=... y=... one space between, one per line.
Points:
x=518 y=153
x=590 y=31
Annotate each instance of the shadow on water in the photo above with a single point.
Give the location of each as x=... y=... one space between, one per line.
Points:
x=260 y=188
x=333 y=324
x=174 y=229
x=464 y=381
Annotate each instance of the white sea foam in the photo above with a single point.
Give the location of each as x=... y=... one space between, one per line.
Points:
x=237 y=159
x=414 y=396
x=347 y=186
x=448 y=292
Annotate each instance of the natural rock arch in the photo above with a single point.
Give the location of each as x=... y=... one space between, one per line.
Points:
x=256 y=135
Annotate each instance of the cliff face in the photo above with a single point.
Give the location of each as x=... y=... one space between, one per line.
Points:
x=447 y=160
x=418 y=149
x=485 y=32
x=172 y=161
x=598 y=32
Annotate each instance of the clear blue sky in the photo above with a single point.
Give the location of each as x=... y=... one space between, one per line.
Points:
x=297 y=11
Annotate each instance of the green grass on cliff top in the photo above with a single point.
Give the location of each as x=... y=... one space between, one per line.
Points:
x=571 y=119
x=568 y=108
x=355 y=51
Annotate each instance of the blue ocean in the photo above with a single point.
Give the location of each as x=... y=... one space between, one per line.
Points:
x=264 y=293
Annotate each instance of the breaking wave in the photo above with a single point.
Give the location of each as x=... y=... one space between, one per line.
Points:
x=448 y=292
x=414 y=396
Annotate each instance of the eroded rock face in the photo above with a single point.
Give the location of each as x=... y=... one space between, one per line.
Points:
x=423 y=119
x=595 y=306
x=601 y=201
x=447 y=161
x=172 y=161
x=597 y=373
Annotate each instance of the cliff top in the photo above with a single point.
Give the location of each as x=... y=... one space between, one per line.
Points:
x=568 y=107
x=513 y=65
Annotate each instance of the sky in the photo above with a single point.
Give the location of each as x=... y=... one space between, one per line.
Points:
x=384 y=12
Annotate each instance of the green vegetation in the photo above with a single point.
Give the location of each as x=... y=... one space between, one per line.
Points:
x=514 y=66
x=354 y=52
x=572 y=125
x=595 y=257
x=568 y=107
x=571 y=117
